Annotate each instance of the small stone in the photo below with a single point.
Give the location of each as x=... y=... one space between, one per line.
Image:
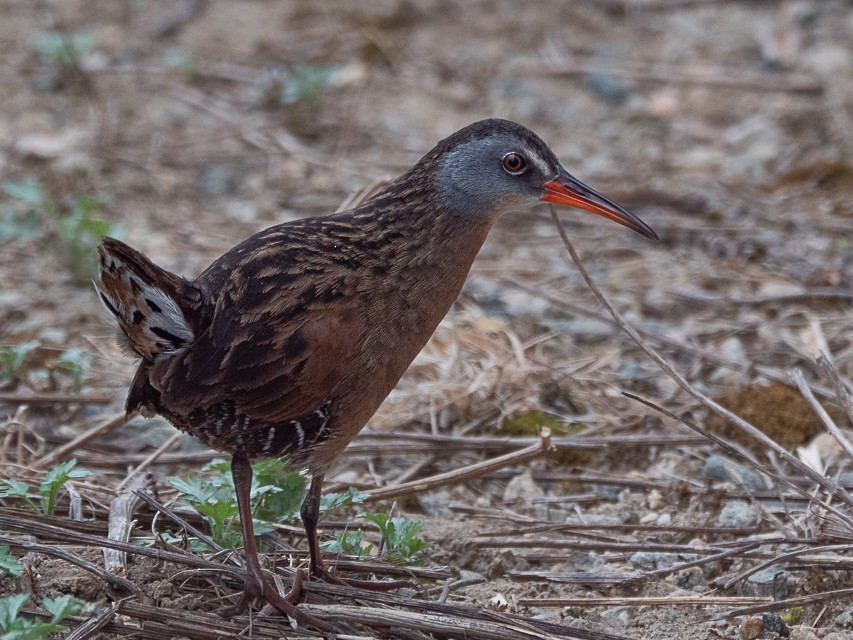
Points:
x=608 y=87
x=802 y=633
x=844 y=620
x=618 y=616
x=751 y=629
x=774 y=624
x=653 y=560
x=772 y=581
x=522 y=488
x=650 y=517
x=737 y=513
x=49 y=146
x=655 y=500
x=662 y=104
x=471 y=576
x=721 y=469
x=690 y=578
x=218 y=180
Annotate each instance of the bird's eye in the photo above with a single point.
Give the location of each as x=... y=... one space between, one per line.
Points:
x=514 y=163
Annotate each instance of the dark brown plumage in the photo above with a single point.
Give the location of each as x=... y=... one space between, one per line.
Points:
x=287 y=344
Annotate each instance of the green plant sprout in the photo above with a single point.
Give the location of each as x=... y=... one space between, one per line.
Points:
x=63 y=49
x=79 y=233
x=78 y=230
x=74 y=363
x=16 y=490
x=9 y=563
x=49 y=487
x=12 y=362
x=349 y=543
x=53 y=481
x=212 y=496
x=276 y=496
x=305 y=86
x=22 y=224
x=400 y=536
x=17 y=627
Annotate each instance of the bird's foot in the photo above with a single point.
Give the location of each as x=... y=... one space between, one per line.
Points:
x=323 y=574
x=256 y=590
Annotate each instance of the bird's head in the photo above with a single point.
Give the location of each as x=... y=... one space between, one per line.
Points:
x=493 y=166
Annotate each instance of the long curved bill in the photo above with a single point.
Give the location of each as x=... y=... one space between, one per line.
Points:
x=568 y=190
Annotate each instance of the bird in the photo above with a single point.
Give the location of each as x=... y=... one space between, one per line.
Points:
x=287 y=344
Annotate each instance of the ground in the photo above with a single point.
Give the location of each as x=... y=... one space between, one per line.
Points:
x=726 y=125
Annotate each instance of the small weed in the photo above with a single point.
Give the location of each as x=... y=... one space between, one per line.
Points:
x=16 y=490
x=400 y=536
x=214 y=498
x=53 y=481
x=78 y=230
x=15 y=627
x=79 y=233
x=277 y=494
x=333 y=501
x=42 y=372
x=9 y=563
x=48 y=488
x=12 y=362
x=305 y=86
x=63 y=49
x=73 y=363
x=349 y=543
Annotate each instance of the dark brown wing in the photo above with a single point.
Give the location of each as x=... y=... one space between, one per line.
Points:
x=284 y=332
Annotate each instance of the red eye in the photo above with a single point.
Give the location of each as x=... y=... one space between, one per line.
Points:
x=514 y=163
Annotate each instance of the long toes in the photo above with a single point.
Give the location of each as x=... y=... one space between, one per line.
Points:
x=289 y=609
x=231 y=610
x=369 y=585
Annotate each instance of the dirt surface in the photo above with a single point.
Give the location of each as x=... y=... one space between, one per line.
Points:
x=726 y=125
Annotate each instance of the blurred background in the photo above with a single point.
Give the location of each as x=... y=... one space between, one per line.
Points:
x=185 y=126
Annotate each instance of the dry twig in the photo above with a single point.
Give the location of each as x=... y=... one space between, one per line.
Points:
x=465 y=473
x=80 y=441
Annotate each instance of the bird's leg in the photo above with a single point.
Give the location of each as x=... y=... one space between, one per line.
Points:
x=310 y=513
x=255 y=587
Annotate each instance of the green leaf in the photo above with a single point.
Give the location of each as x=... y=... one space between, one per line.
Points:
x=28 y=191
x=348 y=542
x=20 y=225
x=191 y=489
x=74 y=362
x=53 y=481
x=306 y=84
x=9 y=563
x=10 y=488
x=12 y=360
x=218 y=464
x=219 y=510
x=62 y=607
x=277 y=491
x=400 y=534
x=331 y=501
x=10 y=606
x=63 y=48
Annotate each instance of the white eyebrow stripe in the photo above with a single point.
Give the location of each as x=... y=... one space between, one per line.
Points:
x=537 y=160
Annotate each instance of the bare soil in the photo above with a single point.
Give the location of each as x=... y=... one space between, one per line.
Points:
x=726 y=125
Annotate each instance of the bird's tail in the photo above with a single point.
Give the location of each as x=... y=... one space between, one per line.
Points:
x=154 y=308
